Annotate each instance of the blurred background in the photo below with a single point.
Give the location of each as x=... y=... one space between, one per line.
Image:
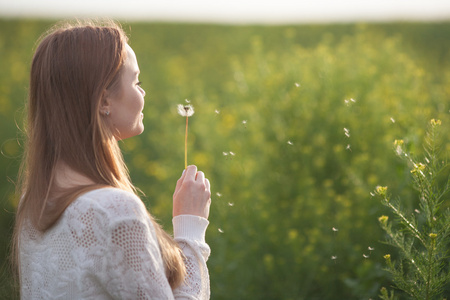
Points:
x=297 y=103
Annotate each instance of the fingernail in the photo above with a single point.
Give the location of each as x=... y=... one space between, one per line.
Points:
x=183 y=172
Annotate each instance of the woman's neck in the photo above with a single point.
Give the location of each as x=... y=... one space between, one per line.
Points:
x=66 y=177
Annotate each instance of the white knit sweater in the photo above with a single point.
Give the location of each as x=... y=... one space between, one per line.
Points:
x=104 y=247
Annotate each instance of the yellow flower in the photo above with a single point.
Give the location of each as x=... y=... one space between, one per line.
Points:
x=381 y=190
x=433 y=236
x=418 y=168
x=399 y=142
x=435 y=122
x=383 y=219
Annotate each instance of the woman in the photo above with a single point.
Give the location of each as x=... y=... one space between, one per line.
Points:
x=81 y=232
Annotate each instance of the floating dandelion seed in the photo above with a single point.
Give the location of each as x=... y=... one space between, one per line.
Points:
x=290 y=143
x=185 y=111
x=187 y=101
x=417 y=211
x=372 y=194
x=232 y=153
x=334 y=257
x=297 y=84
x=220 y=230
x=225 y=153
x=347 y=132
x=366 y=256
x=392 y=120
x=218 y=194
x=370 y=248
x=230 y=204
x=335 y=229
x=348 y=102
x=244 y=122
x=217 y=111
x=348 y=147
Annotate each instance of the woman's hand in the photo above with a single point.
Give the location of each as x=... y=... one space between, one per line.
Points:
x=192 y=194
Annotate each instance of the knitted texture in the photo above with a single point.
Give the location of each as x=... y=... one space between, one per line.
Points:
x=104 y=246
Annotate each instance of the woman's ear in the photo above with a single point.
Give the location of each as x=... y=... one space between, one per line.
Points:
x=105 y=105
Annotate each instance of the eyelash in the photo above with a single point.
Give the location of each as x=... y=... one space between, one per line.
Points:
x=139 y=83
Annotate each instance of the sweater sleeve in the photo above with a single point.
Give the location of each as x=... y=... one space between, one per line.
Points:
x=134 y=266
x=189 y=233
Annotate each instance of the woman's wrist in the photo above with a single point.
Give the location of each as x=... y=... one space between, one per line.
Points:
x=190 y=227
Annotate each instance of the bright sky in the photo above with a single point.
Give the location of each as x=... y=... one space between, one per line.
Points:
x=232 y=11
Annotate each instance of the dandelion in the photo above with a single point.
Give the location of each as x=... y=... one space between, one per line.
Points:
x=185 y=111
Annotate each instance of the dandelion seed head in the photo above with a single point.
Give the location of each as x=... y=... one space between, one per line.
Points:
x=185 y=110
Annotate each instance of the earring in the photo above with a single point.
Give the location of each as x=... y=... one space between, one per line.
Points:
x=107 y=112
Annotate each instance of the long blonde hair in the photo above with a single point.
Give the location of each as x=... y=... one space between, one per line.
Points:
x=73 y=66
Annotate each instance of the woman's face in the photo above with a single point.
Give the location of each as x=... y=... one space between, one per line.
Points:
x=126 y=103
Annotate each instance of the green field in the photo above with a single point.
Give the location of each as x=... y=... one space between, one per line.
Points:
x=294 y=127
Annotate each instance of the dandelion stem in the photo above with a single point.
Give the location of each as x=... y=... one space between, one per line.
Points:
x=185 y=143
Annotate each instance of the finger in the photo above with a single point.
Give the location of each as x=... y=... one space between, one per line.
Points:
x=180 y=181
x=190 y=172
x=208 y=185
x=200 y=177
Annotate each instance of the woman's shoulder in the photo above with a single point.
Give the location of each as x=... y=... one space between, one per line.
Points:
x=111 y=202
